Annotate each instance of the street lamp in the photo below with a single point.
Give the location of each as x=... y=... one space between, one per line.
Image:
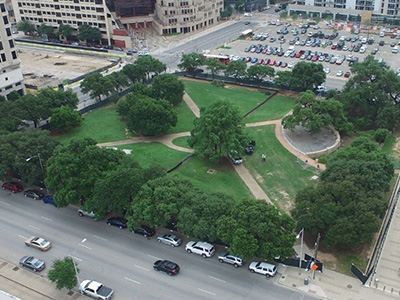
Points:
x=73 y=261
x=41 y=165
x=301 y=233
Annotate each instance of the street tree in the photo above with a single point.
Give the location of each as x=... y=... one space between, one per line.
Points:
x=159 y=201
x=258 y=72
x=120 y=80
x=307 y=76
x=215 y=66
x=150 y=66
x=149 y=116
x=138 y=90
x=17 y=147
x=316 y=114
x=46 y=30
x=27 y=27
x=88 y=33
x=218 y=131
x=134 y=73
x=58 y=98
x=74 y=169
x=31 y=108
x=65 y=118
x=98 y=85
x=63 y=274
x=191 y=62
x=283 y=79
x=168 y=87
x=65 y=30
x=236 y=68
x=10 y=117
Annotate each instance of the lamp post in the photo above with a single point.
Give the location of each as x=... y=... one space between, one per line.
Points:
x=41 y=165
x=316 y=252
x=301 y=233
x=73 y=261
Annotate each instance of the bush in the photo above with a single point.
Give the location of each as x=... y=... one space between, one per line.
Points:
x=381 y=135
x=323 y=159
x=218 y=83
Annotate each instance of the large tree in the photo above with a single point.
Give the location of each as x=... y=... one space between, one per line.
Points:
x=64 y=119
x=63 y=274
x=138 y=90
x=98 y=85
x=190 y=62
x=150 y=66
x=315 y=114
x=134 y=73
x=168 y=87
x=236 y=68
x=46 y=30
x=258 y=72
x=307 y=76
x=88 y=33
x=149 y=116
x=217 y=131
x=65 y=30
x=215 y=66
x=27 y=27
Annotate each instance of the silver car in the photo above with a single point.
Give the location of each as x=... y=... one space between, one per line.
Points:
x=225 y=257
x=32 y=263
x=82 y=213
x=169 y=239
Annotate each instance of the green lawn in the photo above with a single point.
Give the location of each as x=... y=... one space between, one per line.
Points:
x=204 y=94
x=275 y=108
x=185 y=119
x=102 y=125
x=147 y=154
x=182 y=141
x=225 y=180
x=280 y=176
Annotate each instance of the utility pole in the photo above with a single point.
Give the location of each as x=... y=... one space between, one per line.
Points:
x=316 y=252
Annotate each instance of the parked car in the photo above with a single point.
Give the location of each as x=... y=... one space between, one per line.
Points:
x=35 y=194
x=263 y=268
x=13 y=187
x=339 y=73
x=144 y=230
x=33 y=263
x=83 y=213
x=249 y=149
x=38 y=243
x=167 y=267
x=202 y=248
x=96 y=290
x=225 y=257
x=131 y=52
x=347 y=74
x=235 y=157
x=49 y=199
x=169 y=239
x=117 y=221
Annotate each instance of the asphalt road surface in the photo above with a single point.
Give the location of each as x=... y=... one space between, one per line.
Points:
x=123 y=260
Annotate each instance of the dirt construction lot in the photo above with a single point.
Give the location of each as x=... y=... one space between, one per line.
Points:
x=43 y=68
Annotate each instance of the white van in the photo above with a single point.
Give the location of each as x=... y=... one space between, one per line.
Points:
x=395 y=49
x=248 y=15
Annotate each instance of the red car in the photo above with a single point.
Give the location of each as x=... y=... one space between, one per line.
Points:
x=260 y=62
x=315 y=58
x=347 y=74
x=272 y=63
x=14 y=187
x=248 y=58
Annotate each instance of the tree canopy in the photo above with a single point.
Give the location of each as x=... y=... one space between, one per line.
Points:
x=65 y=30
x=98 y=85
x=63 y=274
x=190 y=62
x=217 y=131
x=27 y=27
x=307 y=76
x=168 y=87
x=88 y=33
x=65 y=118
x=215 y=66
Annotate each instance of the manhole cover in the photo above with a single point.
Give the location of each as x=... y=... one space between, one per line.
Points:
x=294 y=285
x=70 y=293
x=15 y=268
x=283 y=277
x=349 y=286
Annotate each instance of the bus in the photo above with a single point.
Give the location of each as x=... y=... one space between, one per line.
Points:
x=222 y=58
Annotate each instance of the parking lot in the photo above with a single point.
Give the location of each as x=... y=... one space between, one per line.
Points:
x=282 y=45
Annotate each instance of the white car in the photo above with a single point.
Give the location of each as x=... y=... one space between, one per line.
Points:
x=263 y=268
x=96 y=290
x=327 y=70
x=339 y=73
x=82 y=213
x=202 y=248
x=291 y=64
x=169 y=239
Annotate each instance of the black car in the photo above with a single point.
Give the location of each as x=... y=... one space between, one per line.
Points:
x=144 y=230
x=35 y=194
x=117 y=221
x=167 y=267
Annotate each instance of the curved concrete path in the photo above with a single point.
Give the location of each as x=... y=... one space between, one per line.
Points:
x=242 y=171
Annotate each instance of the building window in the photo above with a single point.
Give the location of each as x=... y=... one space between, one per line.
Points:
x=11 y=42
x=2 y=7
x=3 y=57
x=1 y=45
x=5 y=19
x=8 y=30
x=14 y=54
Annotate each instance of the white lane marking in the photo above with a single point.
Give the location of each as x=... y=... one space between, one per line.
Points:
x=85 y=247
x=21 y=236
x=96 y=236
x=5 y=203
x=155 y=257
x=142 y=268
x=137 y=282
x=48 y=219
x=78 y=259
x=215 y=278
x=207 y=292
x=34 y=227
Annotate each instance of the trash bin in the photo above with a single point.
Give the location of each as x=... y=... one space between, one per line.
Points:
x=306 y=281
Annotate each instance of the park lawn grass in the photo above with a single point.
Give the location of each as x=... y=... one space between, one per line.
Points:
x=148 y=154
x=280 y=176
x=225 y=180
x=274 y=109
x=204 y=94
x=185 y=119
x=102 y=125
x=182 y=142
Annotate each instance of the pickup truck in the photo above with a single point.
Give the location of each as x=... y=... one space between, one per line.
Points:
x=96 y=290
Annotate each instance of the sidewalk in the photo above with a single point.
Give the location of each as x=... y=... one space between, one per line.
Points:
x=24 y=284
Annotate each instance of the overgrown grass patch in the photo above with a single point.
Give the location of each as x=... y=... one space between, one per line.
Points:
x=274 y=109
x=102 y=125
x=280 y=176
x=344 y=262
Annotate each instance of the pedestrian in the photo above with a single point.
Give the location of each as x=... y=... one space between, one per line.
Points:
x=263 y=157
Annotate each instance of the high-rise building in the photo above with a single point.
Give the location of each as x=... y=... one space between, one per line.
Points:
x=11 y=78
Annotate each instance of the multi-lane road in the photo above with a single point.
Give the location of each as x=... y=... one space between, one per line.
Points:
x=123 y=260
